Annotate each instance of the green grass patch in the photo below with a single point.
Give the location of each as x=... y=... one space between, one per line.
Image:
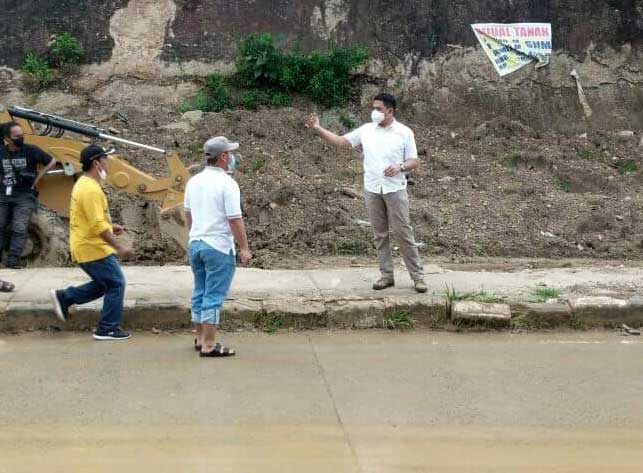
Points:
x=565 y=184
x=542 y=294
x=399 y=320
x=269 y=323
x=628 y=167
x=258 y=164
x=351 y=247
x=589 y=154
x=512 y=160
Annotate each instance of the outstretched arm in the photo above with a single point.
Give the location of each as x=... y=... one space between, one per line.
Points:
x=313 y=122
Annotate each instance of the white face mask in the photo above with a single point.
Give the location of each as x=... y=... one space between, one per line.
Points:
x=102 y=173
x=377 y=116
x=232 y=164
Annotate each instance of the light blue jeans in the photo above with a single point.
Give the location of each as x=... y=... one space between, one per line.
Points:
x=213 y=272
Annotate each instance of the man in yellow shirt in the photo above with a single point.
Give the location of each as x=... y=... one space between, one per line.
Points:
x=95 y=248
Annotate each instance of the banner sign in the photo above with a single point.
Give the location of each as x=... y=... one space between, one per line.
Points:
x=512 y=46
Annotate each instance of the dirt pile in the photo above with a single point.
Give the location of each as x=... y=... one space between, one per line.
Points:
x=498 y=188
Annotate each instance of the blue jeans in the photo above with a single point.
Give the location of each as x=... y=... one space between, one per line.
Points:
x=107 y=280
x=213 y=272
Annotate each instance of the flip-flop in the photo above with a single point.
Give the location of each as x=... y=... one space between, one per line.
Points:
x=218 y=351
x=6 y=286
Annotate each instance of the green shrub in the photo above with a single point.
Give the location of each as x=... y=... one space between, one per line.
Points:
x=250 y=99
x=214 y=98
x=66 y=49
x=259 y=62
x=37 y=69
x=322 y=75
x=218 y=93
x=280 y=99
x=199 y=102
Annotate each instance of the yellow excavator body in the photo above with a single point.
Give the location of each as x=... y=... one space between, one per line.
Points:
x=55 y=188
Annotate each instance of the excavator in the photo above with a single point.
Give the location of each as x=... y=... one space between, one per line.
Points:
x=47 y=243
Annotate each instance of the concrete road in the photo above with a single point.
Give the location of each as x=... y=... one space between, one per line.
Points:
x=323 y=402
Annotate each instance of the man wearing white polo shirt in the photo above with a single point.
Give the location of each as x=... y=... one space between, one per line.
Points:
x=213 y=213
x=389 y=152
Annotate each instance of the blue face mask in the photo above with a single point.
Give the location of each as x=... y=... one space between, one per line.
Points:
x=232 y=164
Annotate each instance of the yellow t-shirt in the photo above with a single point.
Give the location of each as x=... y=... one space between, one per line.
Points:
x=88 y=218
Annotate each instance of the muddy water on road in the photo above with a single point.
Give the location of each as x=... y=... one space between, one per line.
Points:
x=322 y=449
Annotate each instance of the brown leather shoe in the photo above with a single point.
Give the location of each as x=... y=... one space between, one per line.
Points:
x=383 y=283
x=420 y=286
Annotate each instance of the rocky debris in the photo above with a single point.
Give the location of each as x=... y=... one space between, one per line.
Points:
x=627 y=330
x=347 y=191
x=302 y=197
x=179 y=126
x=57 y=102
x=193 y=117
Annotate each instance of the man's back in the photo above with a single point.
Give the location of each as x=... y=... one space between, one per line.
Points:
x=213 y=197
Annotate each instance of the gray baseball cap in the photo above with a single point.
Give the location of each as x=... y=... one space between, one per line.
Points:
x=217 y=145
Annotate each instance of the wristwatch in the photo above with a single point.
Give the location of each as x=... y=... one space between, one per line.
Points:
x=402 y=168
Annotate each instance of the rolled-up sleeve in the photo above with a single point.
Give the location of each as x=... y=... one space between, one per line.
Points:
x=410 y=148
x=355 y=137
x=232 y=201
x=94 y=207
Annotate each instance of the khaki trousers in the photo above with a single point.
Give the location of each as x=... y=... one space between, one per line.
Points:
x=391 y=212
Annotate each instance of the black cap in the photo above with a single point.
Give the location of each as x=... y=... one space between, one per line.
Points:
x=90 y=153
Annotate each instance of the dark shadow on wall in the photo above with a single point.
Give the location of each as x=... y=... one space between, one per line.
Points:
x=27 y=26
x=423 y=27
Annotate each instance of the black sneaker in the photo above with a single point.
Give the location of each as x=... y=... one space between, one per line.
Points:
x=59 y=308
x=115 y=334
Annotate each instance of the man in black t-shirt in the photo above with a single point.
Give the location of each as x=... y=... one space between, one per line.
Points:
x=19 y=176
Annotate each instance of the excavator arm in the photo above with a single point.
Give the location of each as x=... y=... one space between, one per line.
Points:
x=55 y=188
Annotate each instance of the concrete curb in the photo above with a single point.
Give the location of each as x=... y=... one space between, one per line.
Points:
x=159 y=297
x=341 y=312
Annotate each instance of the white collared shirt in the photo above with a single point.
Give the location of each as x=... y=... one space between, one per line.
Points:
x=383 y=146
x=212 y=197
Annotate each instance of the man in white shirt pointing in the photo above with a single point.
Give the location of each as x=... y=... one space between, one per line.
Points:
x=389 y=152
